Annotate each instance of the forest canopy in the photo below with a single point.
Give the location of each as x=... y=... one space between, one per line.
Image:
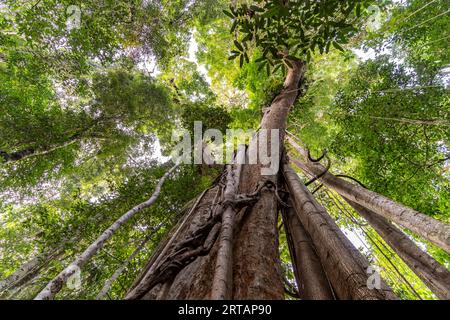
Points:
x=92 y=94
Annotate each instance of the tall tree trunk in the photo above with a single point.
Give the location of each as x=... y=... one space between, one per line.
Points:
x=188 y=267
x=433 y=274
x=55 y=285
x=312 y=282
x=344 y=265
x=423 y=225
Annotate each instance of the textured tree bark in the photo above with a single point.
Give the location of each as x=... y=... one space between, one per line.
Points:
x=55 y=285
x=191 y=281
x=255 y=265
x=433 y=274
x=223 y=275
x=312 y=282
x=164 y=245
x=344 y=265
x=423 y=225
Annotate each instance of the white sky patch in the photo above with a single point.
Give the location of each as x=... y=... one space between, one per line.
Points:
x=146 y=152
x=445 y=76
x=365 y=55
x=149 y=65
x=192 y=56
x=157 y=154
x=357 y=239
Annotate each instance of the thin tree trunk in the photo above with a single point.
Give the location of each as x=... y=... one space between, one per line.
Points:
x=118 y=272
x=423 y=225
x=344 y=265
x=55 y=285
x=33 y=152
x=433 y=274
x=312 y=282
x=427 y=122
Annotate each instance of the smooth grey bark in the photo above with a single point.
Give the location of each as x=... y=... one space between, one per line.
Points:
x=345 y=266
x=434 y=275
x=312 y=282
x=430 y=229
x=55 y=285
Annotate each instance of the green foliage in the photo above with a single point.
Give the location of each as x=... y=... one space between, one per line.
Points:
x=86 y=106
x=283 y=30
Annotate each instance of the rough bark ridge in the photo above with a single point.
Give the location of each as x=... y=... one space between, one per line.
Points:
x=312 y=282
x=255 y=266
x=344 y=265
x=423 y=225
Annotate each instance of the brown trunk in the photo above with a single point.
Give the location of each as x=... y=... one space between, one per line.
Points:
x=423 y=225
x=312 y=281
x=344 y=265
x=187 y=269
x=434 y=275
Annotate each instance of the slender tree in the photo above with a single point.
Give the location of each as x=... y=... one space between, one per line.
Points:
x=55 y=285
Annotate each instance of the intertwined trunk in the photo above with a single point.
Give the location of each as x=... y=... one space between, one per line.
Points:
x=227 y=246
x=312 y=282
x=344 y=265
x=423 y=225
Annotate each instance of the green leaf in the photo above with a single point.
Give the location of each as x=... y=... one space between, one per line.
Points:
x=233 y=26
x=262 y=65
x=248 y=37
x=256 y=8
x=358 y=10
x=338 y=46
x=238 y=45
x=260 y=59
x=228 y=14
